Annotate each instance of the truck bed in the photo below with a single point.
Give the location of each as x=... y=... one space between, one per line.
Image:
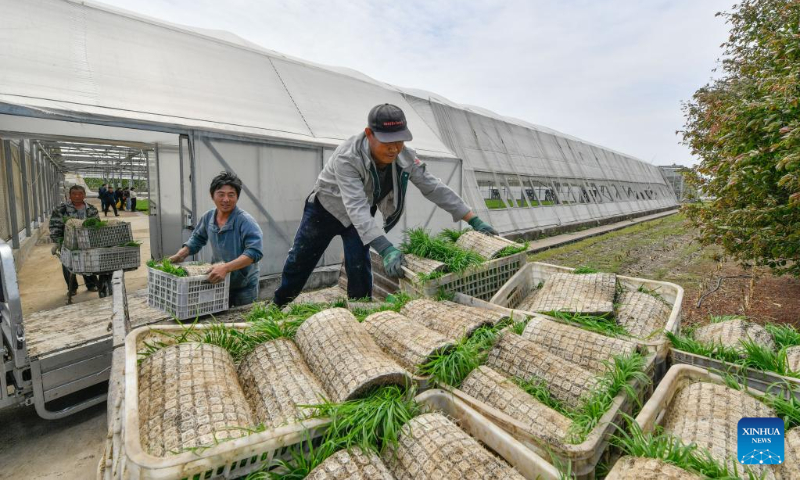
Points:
x=73 y=326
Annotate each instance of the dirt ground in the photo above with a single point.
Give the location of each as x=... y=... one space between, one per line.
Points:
x=665 y=249
x=42 y=285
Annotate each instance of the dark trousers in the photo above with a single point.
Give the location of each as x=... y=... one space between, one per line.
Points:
x=133 y=204
x=317 y=229
x=112 y=204
x=88 y=280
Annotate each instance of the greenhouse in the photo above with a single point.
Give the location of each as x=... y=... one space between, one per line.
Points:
x=88 y=87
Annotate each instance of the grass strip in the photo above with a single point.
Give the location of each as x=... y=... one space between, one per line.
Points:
x=420 y=243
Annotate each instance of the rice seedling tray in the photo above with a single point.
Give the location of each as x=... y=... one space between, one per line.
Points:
x=762 y=381
x=583 y=457
x=654 y=411
x=186 y=297
x=527 y=462
x=532 y=274
x=481 y=281
x=229 y=459
x=83 y=238
x=101 y=260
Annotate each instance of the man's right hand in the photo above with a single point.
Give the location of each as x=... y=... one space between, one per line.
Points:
x=392 y=261
x=180 y=256
x=56 y=250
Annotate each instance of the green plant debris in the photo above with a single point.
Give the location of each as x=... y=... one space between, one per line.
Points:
x=167 y=267
x=420 y=243
x=724 y=318
x=598 y=324
x=132 y=243
x=653 y=293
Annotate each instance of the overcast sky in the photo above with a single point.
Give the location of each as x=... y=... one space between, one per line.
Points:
x=613 y=72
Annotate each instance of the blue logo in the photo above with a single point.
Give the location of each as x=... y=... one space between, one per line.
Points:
x=760 y=441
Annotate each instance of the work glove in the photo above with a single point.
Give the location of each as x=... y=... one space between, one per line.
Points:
x=392 y=261
x=56 y=250
x=480 y=226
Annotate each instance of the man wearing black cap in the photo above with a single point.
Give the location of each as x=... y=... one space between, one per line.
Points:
x=368 y=172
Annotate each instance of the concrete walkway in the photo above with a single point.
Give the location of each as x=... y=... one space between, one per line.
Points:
x=566 y=238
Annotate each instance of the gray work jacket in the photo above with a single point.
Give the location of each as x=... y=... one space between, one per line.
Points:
x=349 y=183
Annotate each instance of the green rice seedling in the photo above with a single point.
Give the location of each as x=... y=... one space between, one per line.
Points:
x=418 y=242
x=451 y=234
x=512 y=250
x=619 y=373
x=425 y=277
x=583 y=269
x=302 y=459
x=784 y=335
x=167 y=267
x=765 y=359
x=602 y=325
x=539 y=391
x=372 y=423
x=519 y=327
x=94 y=223
x=713 y=350
x=451 y=367
x=787 y=407
x=132 y=243
x=672 y=450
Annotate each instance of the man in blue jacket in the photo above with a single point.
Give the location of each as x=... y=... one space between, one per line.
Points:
x=236 y=241
x=368 y=172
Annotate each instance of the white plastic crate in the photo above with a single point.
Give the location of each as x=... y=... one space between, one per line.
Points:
x=84 y=238
x=238 y=457
x=101 y=260
x=186 y=297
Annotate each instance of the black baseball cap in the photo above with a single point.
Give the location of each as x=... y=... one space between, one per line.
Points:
x=388 y=123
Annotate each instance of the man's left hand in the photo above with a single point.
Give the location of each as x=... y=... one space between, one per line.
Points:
x=480 y=226
x=218 y=273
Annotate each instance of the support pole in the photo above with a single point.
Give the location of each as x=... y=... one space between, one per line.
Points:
x=12 y=207
x=26 y=204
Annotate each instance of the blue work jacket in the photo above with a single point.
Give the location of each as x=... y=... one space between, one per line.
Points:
x=240 y=235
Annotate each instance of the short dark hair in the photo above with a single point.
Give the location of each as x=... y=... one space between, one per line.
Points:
x=226 y=178
x=77 y=187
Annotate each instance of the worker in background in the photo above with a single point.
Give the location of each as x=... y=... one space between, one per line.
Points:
x=236 y=241
x=119 y=197
x=110 y=201
x=133 y=200
x=368 y=172
x=101 y=194
x=75 y=207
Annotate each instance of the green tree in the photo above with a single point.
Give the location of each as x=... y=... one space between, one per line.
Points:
x=745 y=127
